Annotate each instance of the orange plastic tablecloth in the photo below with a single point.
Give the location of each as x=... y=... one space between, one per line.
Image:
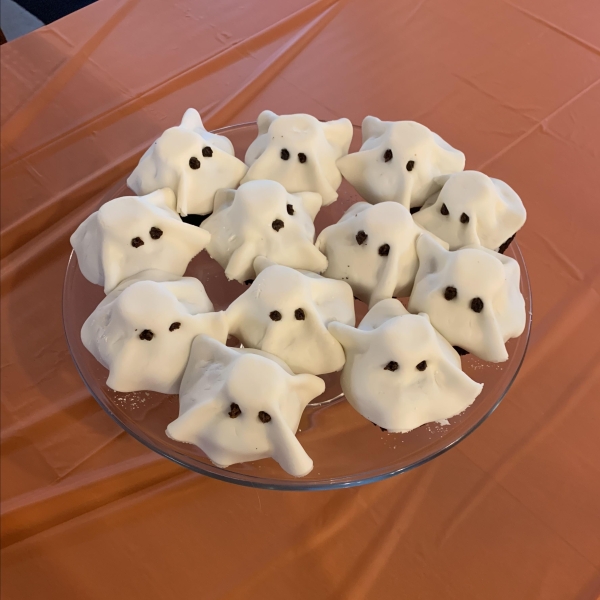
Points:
x=513 y=512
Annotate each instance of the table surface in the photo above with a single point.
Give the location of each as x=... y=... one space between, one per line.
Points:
x=512 y=511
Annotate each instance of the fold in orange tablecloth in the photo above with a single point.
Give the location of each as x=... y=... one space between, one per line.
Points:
x=512 y=512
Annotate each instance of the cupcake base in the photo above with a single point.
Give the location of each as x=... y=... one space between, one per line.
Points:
x=504 y=247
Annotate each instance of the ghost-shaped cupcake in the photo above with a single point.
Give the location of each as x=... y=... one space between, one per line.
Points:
x=241 y=405
x=300 y=152
x=398 y=162
x=261 y=219
x=192 y=162
x=400 y=373
x=471 y=295
x=286 y=312
x=142 y=331
x=373 y=248
x=472 y=208
x=132 y=234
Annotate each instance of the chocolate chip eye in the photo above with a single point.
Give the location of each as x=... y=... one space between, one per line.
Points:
x=477 y=305
x=422 y=365
x=194 y=163
x=146 y=335
x=450 y=293
x=388 y=155
x=299 y=314
x=410 y=165
x=384 y=250
x=302 y=157
x=277 y=224
x=464 y=218
x=136 y=242
x=444 y=210
x=264 y=417
x=361 y=237
x=285 y=154
x=275 y=315
x=234 y=410
x=391 y=366
x=290 y=209
x=155 y=233
x=207 y=151
x=174 y=326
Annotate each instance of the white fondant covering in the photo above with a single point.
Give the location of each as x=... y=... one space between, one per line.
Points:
x=223 y=393
x=485 y=307
x=358 y=260
x=261 y=218
x=472 y=208
x=167 y=164
x=400 y=373
x=174 y=310
x=300 y=152
x=380 y=170
x=286 y=312
x=132 y=234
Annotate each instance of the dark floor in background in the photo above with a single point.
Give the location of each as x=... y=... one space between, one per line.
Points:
x=51 y=10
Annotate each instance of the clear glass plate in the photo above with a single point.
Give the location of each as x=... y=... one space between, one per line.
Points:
x=347 y=450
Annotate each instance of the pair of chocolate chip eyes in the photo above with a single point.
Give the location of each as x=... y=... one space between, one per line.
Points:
x=155 y=234
x=476 y=305
x=394 y=366
x=278 y=224
x=299 y=315
x=235 y=411
x=285 y=155
x=388 y=155
x=361 y=238
x=194 y=163
x=464 y=218
x=148 y=334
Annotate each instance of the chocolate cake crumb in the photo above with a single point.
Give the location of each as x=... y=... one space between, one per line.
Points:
x=464 y=218
x=384 y=250
x=410 y=165
x=207 y=151
x=136 y=242
x=174 y=326
x=299 y=314
x=275 y=315
x=388 y=155
x=234 y=410
x=302 y=157
x=264 y=417
x=146 y=335
x=285 y=154
x=391 y=366
x=194 y=163
x=361 y=237
x=450 y=293
x=422 y=365
x=277 y=224
x=290 y=209
x=477 y=305
x=156 y=233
